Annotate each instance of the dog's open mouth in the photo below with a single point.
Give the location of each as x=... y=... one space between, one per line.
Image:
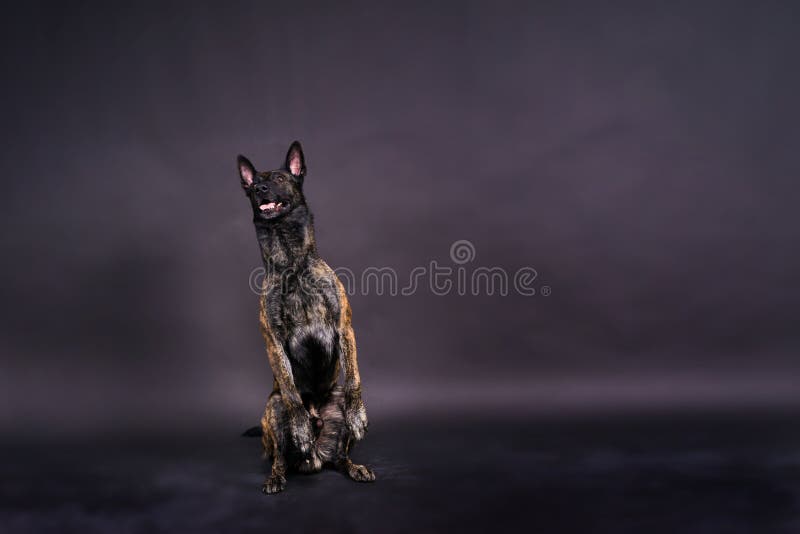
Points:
x=270 y=208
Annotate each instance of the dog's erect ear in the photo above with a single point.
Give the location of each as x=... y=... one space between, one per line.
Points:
x=246 y=171
x=295 y=161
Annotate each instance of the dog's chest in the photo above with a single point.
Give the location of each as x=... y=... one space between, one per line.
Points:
x=311 y=343
x=309 y=319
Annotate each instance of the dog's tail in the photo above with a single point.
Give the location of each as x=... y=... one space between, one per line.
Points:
x=252 y=432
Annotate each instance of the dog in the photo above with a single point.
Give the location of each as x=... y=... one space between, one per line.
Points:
x=310 y=421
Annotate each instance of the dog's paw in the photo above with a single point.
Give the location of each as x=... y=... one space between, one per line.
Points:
x=274 y=484
x=302 y=433
x=360 y=473
x=356 y=417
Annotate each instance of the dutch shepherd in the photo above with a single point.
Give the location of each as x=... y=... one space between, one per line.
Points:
x=310 y=420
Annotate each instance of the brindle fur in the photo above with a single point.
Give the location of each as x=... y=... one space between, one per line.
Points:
x=310 y=421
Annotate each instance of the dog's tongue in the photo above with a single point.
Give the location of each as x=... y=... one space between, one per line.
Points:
x=265 y=207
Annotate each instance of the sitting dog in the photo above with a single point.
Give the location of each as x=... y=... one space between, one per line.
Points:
x=310 y=420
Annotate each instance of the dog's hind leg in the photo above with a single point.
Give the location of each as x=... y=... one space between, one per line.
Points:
x=274 y=424
x=334 y=442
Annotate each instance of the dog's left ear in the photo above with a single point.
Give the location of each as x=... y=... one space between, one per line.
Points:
x=295 y=161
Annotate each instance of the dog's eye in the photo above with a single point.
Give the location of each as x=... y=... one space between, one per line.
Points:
x=280 y=178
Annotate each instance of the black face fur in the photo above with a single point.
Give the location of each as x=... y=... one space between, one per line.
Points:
x=277 y=193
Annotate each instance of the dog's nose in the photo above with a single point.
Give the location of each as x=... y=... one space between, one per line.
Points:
x=262 y=188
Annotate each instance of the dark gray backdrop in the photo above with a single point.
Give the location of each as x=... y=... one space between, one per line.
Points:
x=642 y=158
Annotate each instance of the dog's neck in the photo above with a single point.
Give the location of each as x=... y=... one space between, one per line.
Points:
x=288 y=243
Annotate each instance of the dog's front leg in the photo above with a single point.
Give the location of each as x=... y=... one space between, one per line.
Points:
x=299 y=420
x=355 y=411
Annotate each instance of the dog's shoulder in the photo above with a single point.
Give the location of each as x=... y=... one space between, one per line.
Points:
x=320 y=270
x=332 y=286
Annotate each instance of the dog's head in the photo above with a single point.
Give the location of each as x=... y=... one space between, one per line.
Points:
x=274 y=194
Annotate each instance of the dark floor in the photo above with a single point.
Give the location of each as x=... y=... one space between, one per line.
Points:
x=662 y=474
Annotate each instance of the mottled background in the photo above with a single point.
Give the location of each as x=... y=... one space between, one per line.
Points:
x=641 y=157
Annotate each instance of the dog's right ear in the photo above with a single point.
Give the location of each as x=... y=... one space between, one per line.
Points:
x=246 y=172
x=295 y=160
